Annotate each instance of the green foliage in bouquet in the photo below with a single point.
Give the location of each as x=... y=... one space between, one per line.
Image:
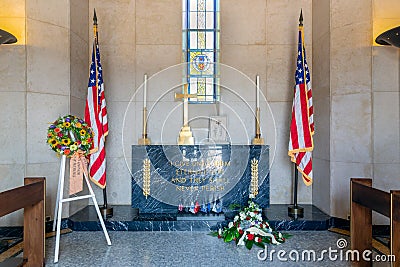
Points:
x=248 y=228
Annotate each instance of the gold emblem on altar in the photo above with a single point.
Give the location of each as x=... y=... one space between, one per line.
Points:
x=254 y=177
x=146 y=177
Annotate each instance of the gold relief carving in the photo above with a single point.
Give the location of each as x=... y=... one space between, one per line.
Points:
x=146 y=177
x=254 y=177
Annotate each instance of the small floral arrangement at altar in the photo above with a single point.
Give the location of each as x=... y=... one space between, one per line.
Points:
x=248 y=228
x=68 y=135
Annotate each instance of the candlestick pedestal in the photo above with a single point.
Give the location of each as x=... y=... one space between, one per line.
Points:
x=258 y=140
x=185 y=136
x=144 y=140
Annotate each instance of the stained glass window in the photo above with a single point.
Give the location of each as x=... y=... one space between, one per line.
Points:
x=201 y=31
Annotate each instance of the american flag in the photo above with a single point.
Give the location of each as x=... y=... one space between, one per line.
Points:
x=96 y=117
x=302 y=125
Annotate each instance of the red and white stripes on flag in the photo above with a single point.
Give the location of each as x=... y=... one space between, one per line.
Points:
x=96 y=117
x=302 y=125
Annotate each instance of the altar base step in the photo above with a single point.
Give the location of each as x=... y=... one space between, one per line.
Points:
x=126 y=219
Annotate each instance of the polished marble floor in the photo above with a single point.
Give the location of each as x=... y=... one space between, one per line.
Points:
x=175 y=248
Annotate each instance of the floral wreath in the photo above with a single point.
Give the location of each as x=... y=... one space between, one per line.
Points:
x=248 y=228
x=70 y=134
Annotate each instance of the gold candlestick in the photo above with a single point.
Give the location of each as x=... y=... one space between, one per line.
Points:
x=185 y=135
x=258 y=140
x=144 y=140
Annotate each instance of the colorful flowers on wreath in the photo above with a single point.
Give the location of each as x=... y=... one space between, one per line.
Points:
x=68 y=135
x=248 y=228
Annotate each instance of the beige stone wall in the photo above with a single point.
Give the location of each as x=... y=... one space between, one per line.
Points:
x=351 y=103
x=44 y=76
x=257 y=37
x=12 y=102
x=358 y=93
x=48 y=87
x=385 y=102
x=356 y=87
x=322 y=104
x=79 y=68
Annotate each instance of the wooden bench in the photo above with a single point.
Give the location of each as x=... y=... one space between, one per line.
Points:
x=364 y=199
x=31 y=198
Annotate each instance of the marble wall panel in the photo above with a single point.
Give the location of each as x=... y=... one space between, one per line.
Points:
x=240 y=76
x=118 y=181
x=341 y=172
x=156 y=22
x=283 y=19
x=79 y=13
x=159 y=62
x=12 y=8
x=118 y=61
x=347 y=13
x=351 y=64
x=42 y=109
x=77 y=107
x=199 y=115
x=321 y=49
x=322 y=123
x=49 y=12
x=386 y=9
x=122 y=127
x=385 y=69
x=235 y=85
x=164 y=121
x=386 y=125
x=281 y=188
x=12 y=175
x=351 y=128
x=79 y=67
x=13 y=133
x=321 y=188
x=321 y=19
x=237 y=28
x=321 y=74
x=305 y=193
x=379 y=219
x=48 y=54
x=386 y=178
x=13 y=219
x=12 y=68
x=116 y=22
x=275 y=127
x=281 y=66
x=51 y=172
x=240 y=122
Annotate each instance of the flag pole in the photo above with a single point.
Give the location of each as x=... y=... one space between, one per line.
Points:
x=295 y=211
x=106 y=210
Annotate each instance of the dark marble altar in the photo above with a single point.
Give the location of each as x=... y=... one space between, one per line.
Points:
x=207 y=174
